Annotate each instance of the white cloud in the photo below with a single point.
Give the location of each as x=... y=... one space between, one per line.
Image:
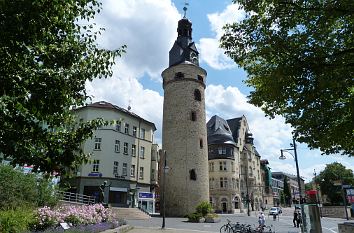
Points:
x=209 y=48
x=145 y=27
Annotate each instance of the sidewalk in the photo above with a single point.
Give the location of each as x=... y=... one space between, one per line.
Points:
x=131 y=229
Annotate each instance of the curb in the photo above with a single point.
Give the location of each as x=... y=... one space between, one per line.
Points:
x=121 y=229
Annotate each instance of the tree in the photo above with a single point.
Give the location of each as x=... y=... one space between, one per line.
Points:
x=331 y=180
x=287 y=192
x=299 y=56
x=48 y=52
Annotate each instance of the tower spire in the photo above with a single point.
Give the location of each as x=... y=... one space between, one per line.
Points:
x=185 y=8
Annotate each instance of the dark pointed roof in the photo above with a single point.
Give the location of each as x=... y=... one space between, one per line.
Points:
x=234 y=124
x=219 y=131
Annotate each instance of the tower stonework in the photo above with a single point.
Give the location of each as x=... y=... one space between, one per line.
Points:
x=184 y=133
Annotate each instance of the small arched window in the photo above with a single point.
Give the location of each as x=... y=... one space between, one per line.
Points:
x=201 y=143
x=197 y=95
x=192 y=174
x=193 y=116
x=200 y=78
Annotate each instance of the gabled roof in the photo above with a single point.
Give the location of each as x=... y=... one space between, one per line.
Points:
x=234 y=124
x=106 y=105
x=219 y=131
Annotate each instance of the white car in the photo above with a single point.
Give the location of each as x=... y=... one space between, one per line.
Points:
x=275 y=211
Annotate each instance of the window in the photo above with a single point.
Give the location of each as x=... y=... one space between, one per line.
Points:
x=133 y=150
x=192 y=174
x=221 y=182
x=197 y=95
x=232 y=166
x=132 y=170
x=152 y=174
x=200 y=78
x=134 y=131
x=201 y=143
x=117 y=146
x=118 y=126
x=142 y=133
x=193 y=116
x=125 y=149
x=222 y=150
x=126 y=128
x=95 y=165
x=141 y=173
x=225 y=182
x=222 y=166
x=142 y=152
x=212 y=166
x=124 y=172
x=98 y=143
x=115 y=168
x=179 y=75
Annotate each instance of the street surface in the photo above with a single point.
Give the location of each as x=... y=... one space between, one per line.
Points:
x=283 y=224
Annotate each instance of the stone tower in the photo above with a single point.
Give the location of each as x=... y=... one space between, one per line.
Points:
x=184 y=134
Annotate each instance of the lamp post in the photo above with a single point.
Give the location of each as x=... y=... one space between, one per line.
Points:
x=165 y=170
x=282 y=156
x=318 y=201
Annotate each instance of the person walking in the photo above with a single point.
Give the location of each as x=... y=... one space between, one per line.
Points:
x=299 y=219
x=295 y=219
x=261 y=219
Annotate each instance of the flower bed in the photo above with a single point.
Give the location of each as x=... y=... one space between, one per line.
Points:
x=83 y=218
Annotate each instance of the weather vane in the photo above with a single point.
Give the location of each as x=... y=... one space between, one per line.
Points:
x=185 y=8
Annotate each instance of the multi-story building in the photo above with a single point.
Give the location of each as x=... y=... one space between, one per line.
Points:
x=277 y=188
x=267 y=192
x=224 y=178
x=293 y=185
x=123 y=154
x=251 y=183
x=234 y=166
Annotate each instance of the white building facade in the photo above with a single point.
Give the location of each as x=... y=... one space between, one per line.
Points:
x=122 y=154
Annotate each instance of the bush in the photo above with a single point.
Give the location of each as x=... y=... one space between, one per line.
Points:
x=194 y=217
x=17 y=189
x=204 y=208
x=16 y=221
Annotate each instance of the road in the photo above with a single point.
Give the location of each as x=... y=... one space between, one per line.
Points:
x=283 y=224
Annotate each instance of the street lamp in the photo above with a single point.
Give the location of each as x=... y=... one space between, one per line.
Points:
x=282 y=157
x=165 y=170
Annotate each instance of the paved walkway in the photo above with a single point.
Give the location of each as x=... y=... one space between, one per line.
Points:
x=130 y=229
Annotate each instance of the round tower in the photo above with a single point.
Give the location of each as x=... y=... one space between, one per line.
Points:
x=184 y=133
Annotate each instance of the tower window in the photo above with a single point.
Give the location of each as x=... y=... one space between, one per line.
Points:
x=192 y=174
x=201 y=143
x=179 y=75
x=197 y=95
x=193 y=116
x=200 y=78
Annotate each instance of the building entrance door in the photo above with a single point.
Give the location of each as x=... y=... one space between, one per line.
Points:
x=224 y=207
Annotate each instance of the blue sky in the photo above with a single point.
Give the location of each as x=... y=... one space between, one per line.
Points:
x=148 y=28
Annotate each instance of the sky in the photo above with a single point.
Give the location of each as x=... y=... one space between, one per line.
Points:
x=149 y=28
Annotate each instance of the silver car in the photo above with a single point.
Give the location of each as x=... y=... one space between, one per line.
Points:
x=275 y=211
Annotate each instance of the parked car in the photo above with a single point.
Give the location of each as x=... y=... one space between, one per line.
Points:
x=275 y=211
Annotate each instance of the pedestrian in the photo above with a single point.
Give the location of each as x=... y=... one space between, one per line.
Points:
x=295 y=220
x=261 y=219
x=299 y=219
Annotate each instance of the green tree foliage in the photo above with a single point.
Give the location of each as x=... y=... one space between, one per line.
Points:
x=330 y=180
x=299 y=56
x=19 y=190
x=48 y=52
x=287 y=192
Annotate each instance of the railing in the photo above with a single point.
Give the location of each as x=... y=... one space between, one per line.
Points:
x=77 y=198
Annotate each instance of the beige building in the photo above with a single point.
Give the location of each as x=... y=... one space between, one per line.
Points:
x=123 y=154
x=234 y=166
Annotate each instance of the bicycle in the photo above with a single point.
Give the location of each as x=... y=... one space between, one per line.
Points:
x=231 y=228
